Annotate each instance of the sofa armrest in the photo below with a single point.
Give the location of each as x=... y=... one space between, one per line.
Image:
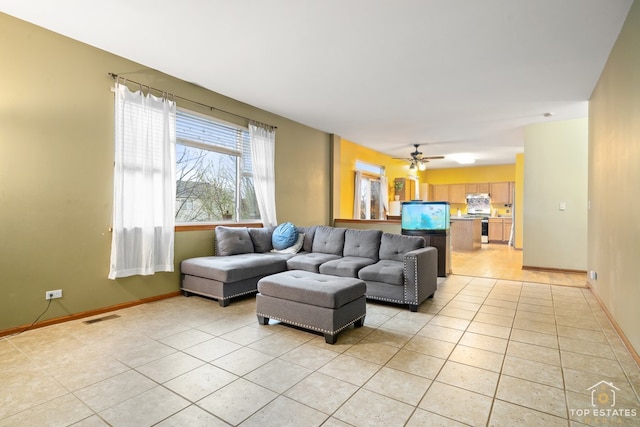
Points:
x=420 y=275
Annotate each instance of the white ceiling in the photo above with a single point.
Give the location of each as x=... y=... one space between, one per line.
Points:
x=453 y=75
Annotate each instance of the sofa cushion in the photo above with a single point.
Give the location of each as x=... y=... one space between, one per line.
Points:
x=309 y=232
x=261 y=238
x=285 y=235
x=394 y=246
x=309 y=261
x=362 y=243
x=232 y=241
x=347 y=266
x=386 y=271
x=229 y=269
x=328 y=240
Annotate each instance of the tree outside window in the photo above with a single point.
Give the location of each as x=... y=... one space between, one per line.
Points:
x=370 y=202
x=370 y=191
x=213 y=171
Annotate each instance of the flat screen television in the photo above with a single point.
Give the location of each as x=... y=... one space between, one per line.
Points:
x=419 y=216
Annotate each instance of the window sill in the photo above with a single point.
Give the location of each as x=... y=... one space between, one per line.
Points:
x=212 y=226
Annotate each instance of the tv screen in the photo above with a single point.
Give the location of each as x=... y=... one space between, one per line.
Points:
x=425 y=216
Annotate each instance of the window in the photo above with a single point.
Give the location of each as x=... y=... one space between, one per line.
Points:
x=370 y=185
x=369 y=168
x=214 y=179
x=370 y=200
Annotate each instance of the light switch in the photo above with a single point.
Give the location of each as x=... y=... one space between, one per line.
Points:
x=563 y=206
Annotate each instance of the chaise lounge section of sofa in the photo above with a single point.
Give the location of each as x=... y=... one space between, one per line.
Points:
x=397 y=269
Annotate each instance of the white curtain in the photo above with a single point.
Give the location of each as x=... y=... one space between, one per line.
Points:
x=357 y=195
x=263 y=153
x=144 y=187
x=384 y=196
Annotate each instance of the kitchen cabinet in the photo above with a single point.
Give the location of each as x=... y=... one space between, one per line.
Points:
x=477 y=187
x=440 y=193
x=457 y=193
x=506 y=229
x=500 y=229
x=501 y=192
x=496 y=229
x=483 y=187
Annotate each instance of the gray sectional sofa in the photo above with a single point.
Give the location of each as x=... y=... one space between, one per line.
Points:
x=396 y=269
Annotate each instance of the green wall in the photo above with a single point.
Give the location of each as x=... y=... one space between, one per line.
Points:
x=614 y=180
x=56 y=174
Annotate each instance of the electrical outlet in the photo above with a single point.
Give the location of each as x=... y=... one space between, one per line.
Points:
x=53 y=294
x=593 y=275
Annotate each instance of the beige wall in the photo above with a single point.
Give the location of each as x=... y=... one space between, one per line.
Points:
x=614 y=181
x=555 y=171
x=56 y=162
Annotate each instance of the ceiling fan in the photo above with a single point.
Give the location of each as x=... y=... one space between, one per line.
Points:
x=418 y=160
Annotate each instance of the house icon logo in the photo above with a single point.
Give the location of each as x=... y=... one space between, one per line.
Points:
x=603 y=393
x=602 y=411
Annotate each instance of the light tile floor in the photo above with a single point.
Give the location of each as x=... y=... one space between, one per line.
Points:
x=482 y=352
x=501 y=261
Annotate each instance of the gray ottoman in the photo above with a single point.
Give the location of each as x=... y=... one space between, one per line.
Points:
x=319 y=302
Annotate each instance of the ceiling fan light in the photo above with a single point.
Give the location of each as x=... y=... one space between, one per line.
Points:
x=413 y=165
x=422 y=166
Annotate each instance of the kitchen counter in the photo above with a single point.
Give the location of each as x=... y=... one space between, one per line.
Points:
x=466 y=233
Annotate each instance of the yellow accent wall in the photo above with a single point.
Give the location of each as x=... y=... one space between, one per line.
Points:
x=498 y=173
x=518 y=206
x=613 y=241
x=56 y=174
x=349 y=152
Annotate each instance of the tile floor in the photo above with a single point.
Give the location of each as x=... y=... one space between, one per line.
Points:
x=482 y=352
x=502 y=261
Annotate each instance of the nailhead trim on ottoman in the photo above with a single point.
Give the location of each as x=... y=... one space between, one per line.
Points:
x=319 y=302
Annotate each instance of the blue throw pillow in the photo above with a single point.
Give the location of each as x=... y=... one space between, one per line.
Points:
x=285 y=235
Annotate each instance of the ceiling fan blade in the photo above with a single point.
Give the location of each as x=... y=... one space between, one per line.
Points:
x=416 y=157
